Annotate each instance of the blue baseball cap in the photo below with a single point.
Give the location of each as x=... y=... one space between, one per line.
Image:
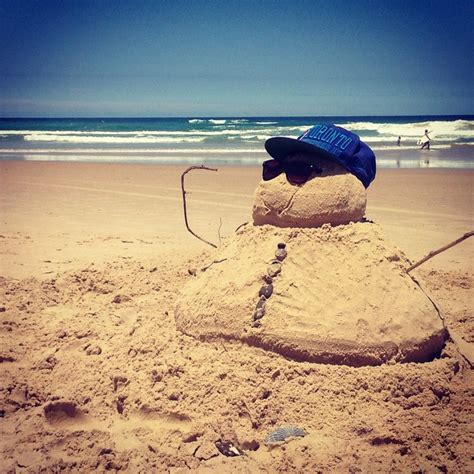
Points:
x=332 y=142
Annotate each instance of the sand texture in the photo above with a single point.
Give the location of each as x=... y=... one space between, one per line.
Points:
x=335 y=199
x=95 y=376
x=342 y=297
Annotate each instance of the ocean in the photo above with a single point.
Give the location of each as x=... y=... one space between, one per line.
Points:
x=227 y=140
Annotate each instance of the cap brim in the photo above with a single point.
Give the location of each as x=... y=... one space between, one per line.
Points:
x=282 y=147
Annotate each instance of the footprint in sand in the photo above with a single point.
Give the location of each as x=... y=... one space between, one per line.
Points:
x=65 y=414
x=145 y=427
x=139 y=429
x=172 y=421
x=61 y=411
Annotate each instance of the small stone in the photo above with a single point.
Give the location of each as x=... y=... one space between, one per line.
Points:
x=268 y=279
x=281 y=254
x=259 y=314
x=281 y=245
x=2 y=309
x=266 y=291
x=227 y=449
x=261 y=303
x=259 y=309
x=256 y=324
x=274 y=269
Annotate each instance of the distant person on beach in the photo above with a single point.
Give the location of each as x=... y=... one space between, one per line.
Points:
x=399 y=140
x=425 y=140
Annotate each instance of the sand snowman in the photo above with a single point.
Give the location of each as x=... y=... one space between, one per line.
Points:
x=310 y=279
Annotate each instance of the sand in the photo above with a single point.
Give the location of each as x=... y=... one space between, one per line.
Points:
x=94 y=374
x=336 y=198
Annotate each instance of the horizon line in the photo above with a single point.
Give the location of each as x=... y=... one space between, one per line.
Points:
x=224 y=116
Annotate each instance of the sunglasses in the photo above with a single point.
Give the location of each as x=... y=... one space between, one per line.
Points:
x=297 y=172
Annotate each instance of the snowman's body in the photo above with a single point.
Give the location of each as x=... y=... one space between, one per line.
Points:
x=340 y=296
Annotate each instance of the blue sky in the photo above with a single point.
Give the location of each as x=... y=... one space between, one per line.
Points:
x=235 y=58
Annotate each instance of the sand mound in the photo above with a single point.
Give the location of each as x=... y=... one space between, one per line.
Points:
x=336 y=198
x=342 y=297
x=155 y=400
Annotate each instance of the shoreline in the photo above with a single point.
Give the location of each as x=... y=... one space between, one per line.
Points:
x=445 y=157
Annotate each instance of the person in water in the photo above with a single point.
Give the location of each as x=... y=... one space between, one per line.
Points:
x=426 y=141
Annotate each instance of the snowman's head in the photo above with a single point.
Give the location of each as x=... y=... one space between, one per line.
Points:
x=318 y=178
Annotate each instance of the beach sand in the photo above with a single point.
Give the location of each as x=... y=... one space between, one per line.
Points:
x=94 y=375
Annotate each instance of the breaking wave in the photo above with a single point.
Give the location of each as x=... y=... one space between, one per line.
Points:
x=41 y=137
x=445 y=129
x=203 y=137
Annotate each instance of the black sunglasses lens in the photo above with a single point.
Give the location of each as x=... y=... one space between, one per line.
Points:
x=271 y=169
x=298 y=172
